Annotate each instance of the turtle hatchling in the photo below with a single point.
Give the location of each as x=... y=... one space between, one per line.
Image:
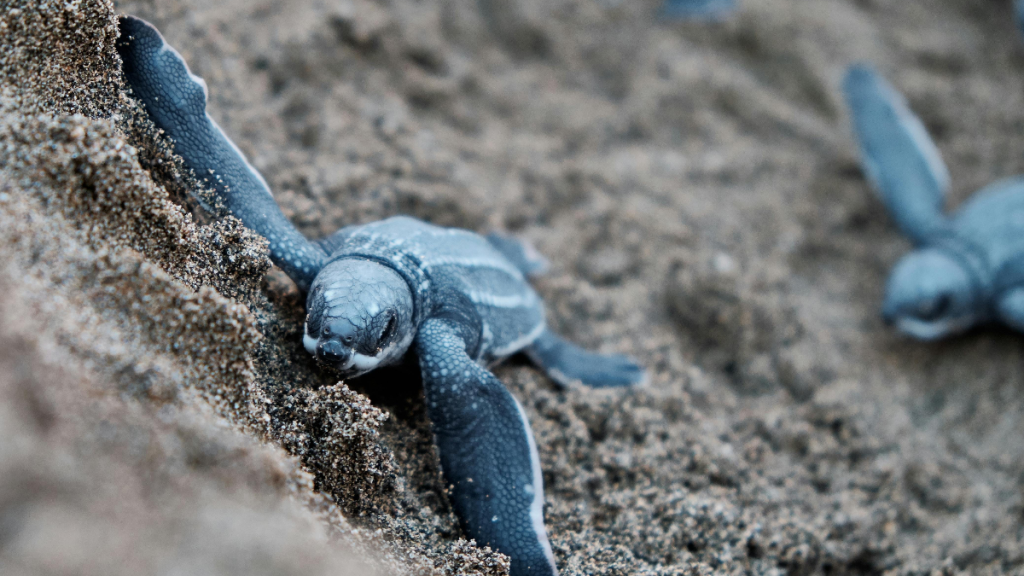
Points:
x=376 y=291
x=967 y=268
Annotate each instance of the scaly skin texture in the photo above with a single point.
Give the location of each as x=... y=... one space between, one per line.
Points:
x=176 y=101
x=490 y=489
x=375 y=288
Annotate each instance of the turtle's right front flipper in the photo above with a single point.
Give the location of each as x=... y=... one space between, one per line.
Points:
x=899 y=158
x=175 y=100
x=486 y=450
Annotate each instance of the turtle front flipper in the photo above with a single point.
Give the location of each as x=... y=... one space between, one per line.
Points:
x=899 y=158
x=487 y=451
x=565 y=363
x=175 y=101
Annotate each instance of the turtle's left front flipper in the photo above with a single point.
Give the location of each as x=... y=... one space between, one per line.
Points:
x=487 y=451
x=175 y=100
x=899 y=158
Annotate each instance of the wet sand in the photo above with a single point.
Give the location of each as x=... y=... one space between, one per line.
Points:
x=696 y=190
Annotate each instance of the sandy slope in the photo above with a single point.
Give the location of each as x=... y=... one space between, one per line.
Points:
x=696 y=191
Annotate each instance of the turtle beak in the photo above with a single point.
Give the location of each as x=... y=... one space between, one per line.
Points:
x=332 y=352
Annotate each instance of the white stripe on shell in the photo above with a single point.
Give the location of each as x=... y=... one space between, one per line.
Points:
x=206 y=98
x=441 y=231
x=536 y=490
x=528 y=300
x=490 y=263
x=495 y=262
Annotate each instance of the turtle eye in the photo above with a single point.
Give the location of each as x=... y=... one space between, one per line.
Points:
x=934 y=309
x=389 y=330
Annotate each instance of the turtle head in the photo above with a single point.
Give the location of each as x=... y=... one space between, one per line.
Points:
x=931 y=295
x=360 y=316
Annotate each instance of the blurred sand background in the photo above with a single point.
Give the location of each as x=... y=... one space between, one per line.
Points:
x=696 y=190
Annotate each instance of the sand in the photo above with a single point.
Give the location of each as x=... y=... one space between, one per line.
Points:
x=696 y=190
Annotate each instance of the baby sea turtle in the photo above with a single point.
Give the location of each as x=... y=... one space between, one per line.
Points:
x=966 y=269
x=376 y=290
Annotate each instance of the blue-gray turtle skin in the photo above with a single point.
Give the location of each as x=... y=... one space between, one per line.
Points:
x=967 y=268
x=378 y=290
x=706 y=10
x=1018 y=12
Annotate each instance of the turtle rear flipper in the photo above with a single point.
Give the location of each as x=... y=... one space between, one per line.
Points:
x=487 y=451
x=566 y=363
x=898 y=156
x=175 y=101
x=520 y=253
